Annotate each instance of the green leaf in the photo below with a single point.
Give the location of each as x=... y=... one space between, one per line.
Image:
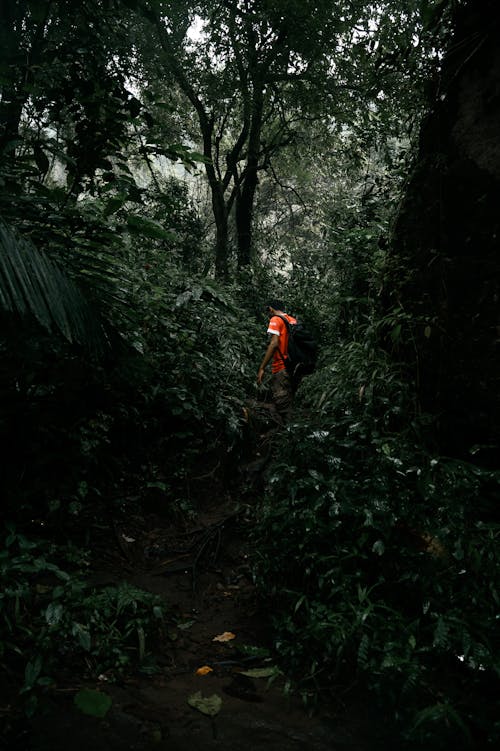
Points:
x=93 y=703
x=31 y=673
x=197 y=157
x=209 y=705
x=185 y=625
x=252 y=651
x=54 y=613
x=114 y=204
x=41 y=159
x=31 y=706
x=378 y=547
x=395 y=333
x=82 y=635
x=139 y=225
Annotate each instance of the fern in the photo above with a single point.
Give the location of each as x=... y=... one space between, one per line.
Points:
x=31 y=285
x=363 y=650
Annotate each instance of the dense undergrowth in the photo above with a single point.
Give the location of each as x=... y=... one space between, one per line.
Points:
x=380 y=558
x=54 y=624
x=95 y=436
x=377 y=555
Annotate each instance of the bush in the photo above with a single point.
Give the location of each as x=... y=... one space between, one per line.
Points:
x=52 y=621
x=381 y=561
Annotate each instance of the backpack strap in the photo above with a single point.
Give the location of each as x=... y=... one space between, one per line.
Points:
x=287 y=324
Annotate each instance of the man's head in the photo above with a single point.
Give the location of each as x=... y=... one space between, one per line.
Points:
x=273 y=306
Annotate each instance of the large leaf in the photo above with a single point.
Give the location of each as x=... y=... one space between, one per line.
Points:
x=140 y=225
x=209 y=705
x=93 y=703
x=30 y=284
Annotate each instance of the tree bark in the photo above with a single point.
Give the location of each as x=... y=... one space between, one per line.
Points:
x=446 y=244
x=221 y=234
x=244 y=218
x=246 y=195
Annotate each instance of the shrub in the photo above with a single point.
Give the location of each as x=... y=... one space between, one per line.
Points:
x=51 y=620
x=381 y=561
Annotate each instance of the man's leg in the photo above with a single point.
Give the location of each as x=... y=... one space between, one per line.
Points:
x=281 y=387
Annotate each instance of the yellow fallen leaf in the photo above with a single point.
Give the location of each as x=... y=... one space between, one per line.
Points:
x=204 y=670
x=226 y=636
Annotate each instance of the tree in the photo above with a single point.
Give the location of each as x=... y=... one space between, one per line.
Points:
x=22 y=37
x=444 y=267
x=255 y=74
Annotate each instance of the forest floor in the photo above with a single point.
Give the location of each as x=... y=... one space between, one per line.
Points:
x=202 y=572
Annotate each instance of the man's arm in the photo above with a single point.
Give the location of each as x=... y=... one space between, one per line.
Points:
x=273 y=344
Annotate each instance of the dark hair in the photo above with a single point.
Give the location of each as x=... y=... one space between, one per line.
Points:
x=276 y=304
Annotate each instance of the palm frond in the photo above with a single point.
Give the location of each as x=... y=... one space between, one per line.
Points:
x=32 y=285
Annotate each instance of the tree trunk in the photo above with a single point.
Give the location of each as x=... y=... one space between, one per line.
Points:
x=446 y=244
x=221 y=231
x=11 y=108
x=244 y=219
x=246 y=196
x=221 y=250
x=19 y=65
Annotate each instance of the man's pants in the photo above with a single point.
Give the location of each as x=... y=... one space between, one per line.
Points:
x=281 y=388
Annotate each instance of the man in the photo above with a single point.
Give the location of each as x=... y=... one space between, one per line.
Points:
x=281 y=383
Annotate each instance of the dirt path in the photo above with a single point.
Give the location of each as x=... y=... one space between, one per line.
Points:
x=209 y=587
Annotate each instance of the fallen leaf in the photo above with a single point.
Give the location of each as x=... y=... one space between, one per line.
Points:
x=208 y=705
x=93 y=703
x=226 y=636
x=260 y=672
x=204 y=670
x=185 y=625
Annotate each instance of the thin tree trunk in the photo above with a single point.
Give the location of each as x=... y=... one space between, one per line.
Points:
x=221 y=235
x=246 y=196
x=11 y=108
x=244 y=218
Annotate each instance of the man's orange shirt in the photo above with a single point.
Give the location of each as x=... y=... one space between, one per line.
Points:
x=278 y=326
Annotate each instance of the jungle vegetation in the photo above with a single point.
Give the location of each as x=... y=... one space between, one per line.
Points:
x=166 y=166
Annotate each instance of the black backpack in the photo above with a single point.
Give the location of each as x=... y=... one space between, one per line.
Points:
x=302 y=350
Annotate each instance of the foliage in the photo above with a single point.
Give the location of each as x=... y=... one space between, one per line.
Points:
x=258 y=79
x=379 y=554
x=161 y=406
x=198 y=370
x=32 y=285
x=380 y=558
x=50 y=618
